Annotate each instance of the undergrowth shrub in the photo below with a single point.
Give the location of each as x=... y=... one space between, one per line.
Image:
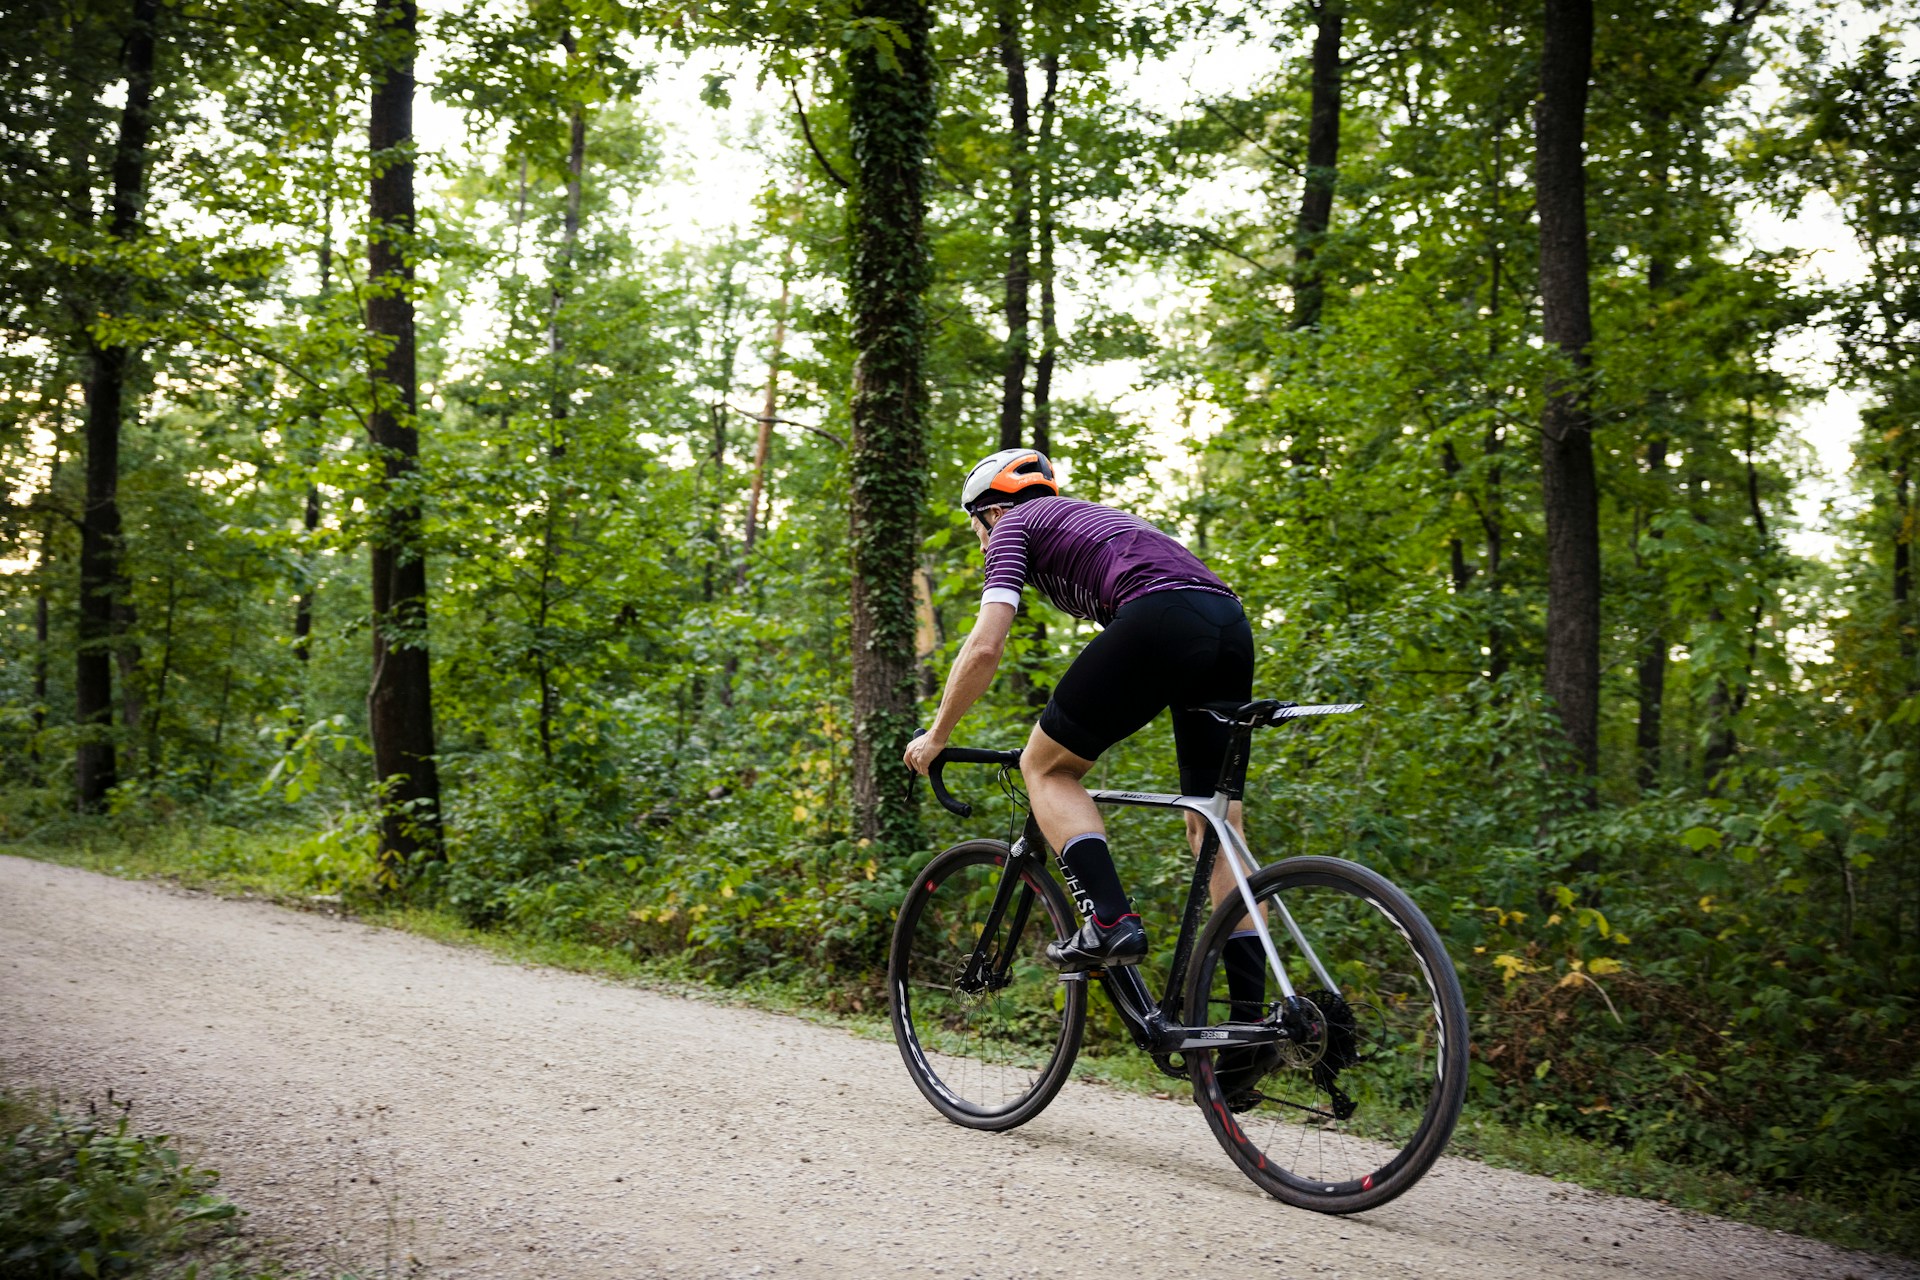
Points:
x=81 y=1194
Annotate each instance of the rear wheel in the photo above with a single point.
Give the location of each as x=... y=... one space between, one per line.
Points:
x=988 y=1034
x=1360 y=1102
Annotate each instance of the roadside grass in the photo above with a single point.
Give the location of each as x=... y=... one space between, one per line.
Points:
x=288 y=865
x=83 y=1194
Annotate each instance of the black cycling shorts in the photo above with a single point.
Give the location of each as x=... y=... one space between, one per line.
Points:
x=1170 y=649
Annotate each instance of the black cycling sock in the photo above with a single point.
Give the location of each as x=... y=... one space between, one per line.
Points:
x=1246 y=966
x=1092 y=882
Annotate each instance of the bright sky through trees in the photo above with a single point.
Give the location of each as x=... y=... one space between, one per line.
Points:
x=715 y=166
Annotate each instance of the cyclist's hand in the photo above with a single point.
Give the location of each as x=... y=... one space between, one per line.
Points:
x=920 y=753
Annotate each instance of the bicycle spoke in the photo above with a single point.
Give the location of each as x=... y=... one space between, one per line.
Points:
x=1357 y=1107
x=992 y=1047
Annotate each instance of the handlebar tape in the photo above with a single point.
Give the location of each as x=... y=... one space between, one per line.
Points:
x=960 y=755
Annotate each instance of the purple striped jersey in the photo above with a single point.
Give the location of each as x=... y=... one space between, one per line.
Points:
x=1089 y=560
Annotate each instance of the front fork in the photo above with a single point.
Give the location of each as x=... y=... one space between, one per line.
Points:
x=986 y=969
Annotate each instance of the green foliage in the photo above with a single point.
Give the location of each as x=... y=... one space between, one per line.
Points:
x=648 y=736
x=84 y=1195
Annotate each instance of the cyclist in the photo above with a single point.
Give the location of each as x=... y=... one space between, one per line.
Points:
x=1173 y=635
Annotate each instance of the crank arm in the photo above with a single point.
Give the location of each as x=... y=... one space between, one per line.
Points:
x=1227 y=1035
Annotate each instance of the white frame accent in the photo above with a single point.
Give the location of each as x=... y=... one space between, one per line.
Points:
x=1240 y=861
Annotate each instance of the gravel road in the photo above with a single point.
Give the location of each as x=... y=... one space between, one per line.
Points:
x=383 y=1103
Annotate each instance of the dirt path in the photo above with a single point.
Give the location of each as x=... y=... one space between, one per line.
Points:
x=373 y=1097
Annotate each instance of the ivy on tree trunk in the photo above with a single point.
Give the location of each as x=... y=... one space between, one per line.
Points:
x=890 y=118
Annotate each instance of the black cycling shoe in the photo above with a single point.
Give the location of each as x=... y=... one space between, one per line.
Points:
x=1097 y=948
x=1240 y=1069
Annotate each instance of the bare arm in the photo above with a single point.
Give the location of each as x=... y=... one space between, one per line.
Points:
x=973 y=671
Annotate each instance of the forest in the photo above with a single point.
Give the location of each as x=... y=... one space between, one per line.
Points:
x=436 y=502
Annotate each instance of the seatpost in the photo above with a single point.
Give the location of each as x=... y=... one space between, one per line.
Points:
x=1233 y=769
x=1233 y=783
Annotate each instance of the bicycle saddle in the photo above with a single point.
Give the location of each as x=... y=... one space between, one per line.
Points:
x=1268 y=711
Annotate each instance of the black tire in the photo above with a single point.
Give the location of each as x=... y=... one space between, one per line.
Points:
x=1390 y=1047
x=995 y=1058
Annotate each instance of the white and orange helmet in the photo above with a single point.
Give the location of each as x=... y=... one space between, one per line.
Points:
x=1006 y=477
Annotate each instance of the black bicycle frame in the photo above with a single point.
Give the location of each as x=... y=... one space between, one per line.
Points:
x=1159 y=1027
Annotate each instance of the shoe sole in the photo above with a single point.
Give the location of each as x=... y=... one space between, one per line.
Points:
x=1099 y=966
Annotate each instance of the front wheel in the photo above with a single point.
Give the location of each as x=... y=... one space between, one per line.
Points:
x=1357 y=1105
x=987 y=1028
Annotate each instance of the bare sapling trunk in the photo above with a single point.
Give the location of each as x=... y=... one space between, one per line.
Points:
x=559 y=409
x=1651 y=668
x=1048 y=230
x=310 y=512
x=769 y=414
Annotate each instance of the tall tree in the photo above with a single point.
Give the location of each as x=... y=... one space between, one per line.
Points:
x=892 y=84
x=1048 y=219
x=1570 y=489
x=1323 y=161
x=310 y=509
x=769 y=409
x=1019 y=276
x=110 y=363
x=400 y=699
x=559 y=405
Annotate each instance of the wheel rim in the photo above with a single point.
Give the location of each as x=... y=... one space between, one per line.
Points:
x=1369 y=1095
x=983 y=1047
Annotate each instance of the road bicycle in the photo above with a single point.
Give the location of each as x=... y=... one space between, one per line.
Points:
x=1335 y=1094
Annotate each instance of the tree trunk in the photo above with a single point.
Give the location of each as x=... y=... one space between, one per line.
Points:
x=1903 y=621
x=1568 y=483
x=400 y=698
x=1722 y=742
x=1493 y=524
x=1323 y=159
x=559 y=390
x=891 y=114
x=1037 y=688
x=769 y=409
x=303 y=603
x=310 y=514
x=1013 y=380
x=559 y=408
x=1049 y=329
x=164 y=676
x=1492 y=514
x=1652 y=667
x=42 y=619
x=101 y=580
x=1459 y=571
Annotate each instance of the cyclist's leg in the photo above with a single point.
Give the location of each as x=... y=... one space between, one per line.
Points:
x=1108 y=693
x=1053 y=776
x=1222 y=885
x=1221 y=671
